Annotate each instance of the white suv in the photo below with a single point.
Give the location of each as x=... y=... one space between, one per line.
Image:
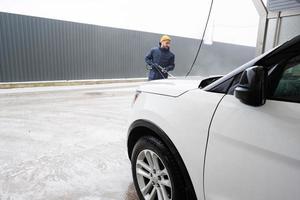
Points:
x=235 y=137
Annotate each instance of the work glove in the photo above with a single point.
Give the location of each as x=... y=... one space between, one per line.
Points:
x=153 y=66
x=164 y=70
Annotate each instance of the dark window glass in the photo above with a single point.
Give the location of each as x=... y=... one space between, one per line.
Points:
x=288 y=87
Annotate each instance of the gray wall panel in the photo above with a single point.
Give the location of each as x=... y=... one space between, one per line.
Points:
x=280 y=5
x=270 y=35
x=281 y=28
x=290 y=27
x=39 y=49
x=221 y=58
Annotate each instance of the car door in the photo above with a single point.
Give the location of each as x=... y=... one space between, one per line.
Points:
x=253 y=153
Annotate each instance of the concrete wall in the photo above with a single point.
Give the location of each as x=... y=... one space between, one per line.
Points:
x=39 y=49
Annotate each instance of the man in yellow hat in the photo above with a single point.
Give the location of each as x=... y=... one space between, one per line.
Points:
x=160 y=59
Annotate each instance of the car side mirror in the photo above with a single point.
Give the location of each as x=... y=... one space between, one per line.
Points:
x=251 y=88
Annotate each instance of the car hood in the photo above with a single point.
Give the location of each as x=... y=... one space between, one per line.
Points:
x=170 y=87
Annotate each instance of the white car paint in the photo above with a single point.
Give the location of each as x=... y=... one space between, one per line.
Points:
x=267 y=140
x=254 y=152
x=178 y=119
x=169 y=87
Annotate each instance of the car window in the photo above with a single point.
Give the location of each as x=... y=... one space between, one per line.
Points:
x=288 y=87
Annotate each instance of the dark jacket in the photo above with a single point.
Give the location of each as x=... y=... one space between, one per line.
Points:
x=163 y=57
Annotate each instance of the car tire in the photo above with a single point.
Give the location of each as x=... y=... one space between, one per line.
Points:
x=155 y=171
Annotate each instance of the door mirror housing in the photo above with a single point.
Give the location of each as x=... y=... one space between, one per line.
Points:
x=252 y=86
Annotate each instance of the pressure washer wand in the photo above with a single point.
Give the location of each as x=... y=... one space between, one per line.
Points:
x=163 y=70
x=160 y=68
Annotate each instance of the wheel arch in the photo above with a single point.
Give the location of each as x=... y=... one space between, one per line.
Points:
x=140 y=128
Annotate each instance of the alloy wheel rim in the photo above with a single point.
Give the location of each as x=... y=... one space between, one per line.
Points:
x=153 y=177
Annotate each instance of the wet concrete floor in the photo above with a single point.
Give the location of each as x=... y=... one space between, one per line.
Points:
x=65 y=143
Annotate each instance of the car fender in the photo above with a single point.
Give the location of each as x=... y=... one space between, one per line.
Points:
x=185 y=120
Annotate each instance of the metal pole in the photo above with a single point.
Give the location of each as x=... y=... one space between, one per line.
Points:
x=262 y=27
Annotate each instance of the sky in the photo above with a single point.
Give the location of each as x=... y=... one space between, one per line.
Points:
x=232 y=21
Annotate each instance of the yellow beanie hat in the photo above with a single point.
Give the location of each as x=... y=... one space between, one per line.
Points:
x=165 y=37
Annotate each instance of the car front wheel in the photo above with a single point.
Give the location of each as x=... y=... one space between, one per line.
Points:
x=155 y=172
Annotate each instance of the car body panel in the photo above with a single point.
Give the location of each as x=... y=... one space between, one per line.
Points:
x=169 y=87
x=253 y=152
x=188 y=136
